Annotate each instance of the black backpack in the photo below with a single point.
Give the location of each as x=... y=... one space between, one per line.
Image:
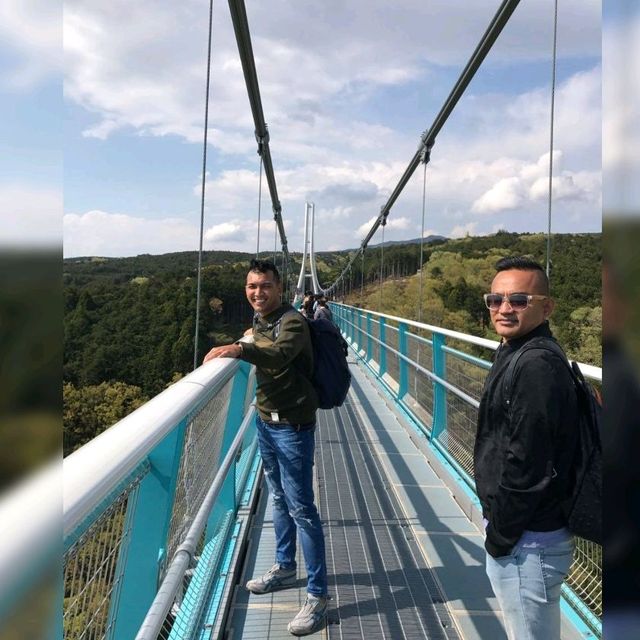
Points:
x=331 y=376
x=583 y=504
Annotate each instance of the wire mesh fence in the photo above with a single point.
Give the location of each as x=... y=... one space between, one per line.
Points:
x=420 y=386
x=393 y=361
x=93 y=569
x=586 y=575
x=199 y=464
x=375 y=346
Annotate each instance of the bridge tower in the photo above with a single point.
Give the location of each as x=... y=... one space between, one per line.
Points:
x=309 y=224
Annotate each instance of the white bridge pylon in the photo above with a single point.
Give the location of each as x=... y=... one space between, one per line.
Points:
x=309 y=223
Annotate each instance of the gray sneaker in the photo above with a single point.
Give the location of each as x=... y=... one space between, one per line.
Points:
x=276 y=578
x=311 y=617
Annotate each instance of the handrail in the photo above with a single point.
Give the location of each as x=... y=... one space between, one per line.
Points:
x=157 y=613
x=465 y=337
x=97 y=468
x=588 y=370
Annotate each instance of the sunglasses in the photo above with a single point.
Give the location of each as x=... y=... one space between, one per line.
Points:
x=517 y=301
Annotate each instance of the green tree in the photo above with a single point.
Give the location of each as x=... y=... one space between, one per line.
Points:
x=90 y=410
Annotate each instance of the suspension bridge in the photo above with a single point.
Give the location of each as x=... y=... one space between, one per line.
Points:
x=165 y=515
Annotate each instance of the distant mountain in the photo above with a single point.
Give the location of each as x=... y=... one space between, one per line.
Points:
x=427 y=240
x=387 y=243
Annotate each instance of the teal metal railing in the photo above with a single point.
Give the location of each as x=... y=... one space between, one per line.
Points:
x=133 y=494
x=436 y=375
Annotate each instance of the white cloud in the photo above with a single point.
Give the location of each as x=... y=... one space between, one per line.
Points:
x=530 y=184
x=96 y=233
x=30 y=215
x=462 y=230
x=504 y=195
x=142 y=65
x=227 y=232
x=32 y=31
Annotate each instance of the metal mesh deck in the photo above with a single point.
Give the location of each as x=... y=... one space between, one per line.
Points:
x=381 y=585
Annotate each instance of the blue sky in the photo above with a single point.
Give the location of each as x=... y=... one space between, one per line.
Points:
x=347 y=89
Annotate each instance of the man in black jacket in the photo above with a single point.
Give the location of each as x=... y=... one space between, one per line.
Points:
x=524 y=446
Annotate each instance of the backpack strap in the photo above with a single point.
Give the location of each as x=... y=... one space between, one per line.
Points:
x=275 y=326
x=540 y=342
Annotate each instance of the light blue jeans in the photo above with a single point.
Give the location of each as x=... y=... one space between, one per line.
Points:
x=287 y=460
x=527 y=584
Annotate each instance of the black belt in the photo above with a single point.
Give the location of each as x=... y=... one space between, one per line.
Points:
x=296 y=427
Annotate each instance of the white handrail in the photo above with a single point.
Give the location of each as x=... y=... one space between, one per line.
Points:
x=483 y=342
x=97 y=468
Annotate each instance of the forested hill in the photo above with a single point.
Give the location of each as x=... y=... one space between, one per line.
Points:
x=129 y=322
x=457 y=272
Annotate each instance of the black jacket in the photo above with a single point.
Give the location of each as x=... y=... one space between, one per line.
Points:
x=523 y=451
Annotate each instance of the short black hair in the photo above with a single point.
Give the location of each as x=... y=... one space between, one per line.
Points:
x=262 y=266
x=524 y=263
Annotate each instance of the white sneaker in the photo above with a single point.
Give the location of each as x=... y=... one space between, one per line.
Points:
x=311 y=617
x=276 y=578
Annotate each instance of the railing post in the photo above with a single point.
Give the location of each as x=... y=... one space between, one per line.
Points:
x=383 y=347
x=369 y=353
x=353 y=325
x=359 y=330
x=439 y=392
x=149 y=529
x=403 y=373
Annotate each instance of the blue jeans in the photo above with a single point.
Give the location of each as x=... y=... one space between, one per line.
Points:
x=527 y=585
x=287 y=461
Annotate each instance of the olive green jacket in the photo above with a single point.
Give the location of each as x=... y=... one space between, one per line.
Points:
x=284 y=367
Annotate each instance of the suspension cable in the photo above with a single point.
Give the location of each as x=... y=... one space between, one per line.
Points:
x=551 y=124
x=426 y=156
x=259 y=208
x=362 y=280
x=381 y=264
x=421 y=264
x=204 y=175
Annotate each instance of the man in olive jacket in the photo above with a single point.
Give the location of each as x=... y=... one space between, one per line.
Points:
x=523 y=453
x=287 y=403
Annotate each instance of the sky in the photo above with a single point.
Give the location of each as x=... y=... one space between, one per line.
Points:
x=347 y=89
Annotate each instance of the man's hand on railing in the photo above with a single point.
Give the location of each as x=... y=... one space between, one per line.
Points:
x=225 y=351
